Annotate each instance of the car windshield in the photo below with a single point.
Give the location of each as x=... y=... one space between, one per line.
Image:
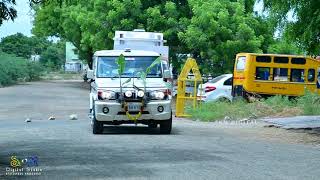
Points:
x=216 y=79
x=107 y=67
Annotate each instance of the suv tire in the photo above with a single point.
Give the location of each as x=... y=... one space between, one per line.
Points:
x=97 y=127
x=166 y=126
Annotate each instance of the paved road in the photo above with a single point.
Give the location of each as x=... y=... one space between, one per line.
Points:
x=68 y=150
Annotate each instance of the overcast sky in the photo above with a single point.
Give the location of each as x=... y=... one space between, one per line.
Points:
x=23 y=23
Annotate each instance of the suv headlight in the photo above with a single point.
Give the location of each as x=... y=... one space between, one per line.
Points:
x=106 y=95
x=128 y=94
x=159 y=95
x=140 y=94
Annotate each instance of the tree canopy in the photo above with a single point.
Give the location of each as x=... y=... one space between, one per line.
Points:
x=305 y=26
x=218 y=30
x=7 y=11
x=212 y=30
x=23 y=46
x=54 y=56
x=90 y=24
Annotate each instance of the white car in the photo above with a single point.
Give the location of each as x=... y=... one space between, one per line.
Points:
x=216 y=89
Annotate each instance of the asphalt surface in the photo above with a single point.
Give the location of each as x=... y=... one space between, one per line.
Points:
x=299 y=122
x=67 y=149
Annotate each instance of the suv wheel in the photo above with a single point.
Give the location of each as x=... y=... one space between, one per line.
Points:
x=166 y=126
x=97 y=127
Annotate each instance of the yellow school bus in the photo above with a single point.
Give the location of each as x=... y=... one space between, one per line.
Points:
x=274 y=74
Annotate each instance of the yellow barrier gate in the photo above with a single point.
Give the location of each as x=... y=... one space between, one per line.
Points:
x=191 y=65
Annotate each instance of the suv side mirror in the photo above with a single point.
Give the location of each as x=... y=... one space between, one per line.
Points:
x=90 y=74
x=166 y=74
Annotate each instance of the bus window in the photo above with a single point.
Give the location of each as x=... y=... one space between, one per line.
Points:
x=311 y=75
x=241 y=63
x=280 y=74
x=298 y=61
x=297 y=75
x=318 y=82
x=262 y=73
x=283 y=60
x=263 y=59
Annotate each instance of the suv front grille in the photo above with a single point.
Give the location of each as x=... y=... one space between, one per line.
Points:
x=133 y=112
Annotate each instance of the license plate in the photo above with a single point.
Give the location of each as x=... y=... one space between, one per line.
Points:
x=134 y=107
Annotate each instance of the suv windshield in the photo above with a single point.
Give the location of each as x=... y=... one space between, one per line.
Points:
x=107 y=67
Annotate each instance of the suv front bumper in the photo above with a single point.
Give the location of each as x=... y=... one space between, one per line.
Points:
x=117 y=113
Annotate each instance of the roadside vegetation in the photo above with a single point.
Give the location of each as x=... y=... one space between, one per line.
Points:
x=61 y=75
x=276 y=106
x=17 y=50
x=17 y=69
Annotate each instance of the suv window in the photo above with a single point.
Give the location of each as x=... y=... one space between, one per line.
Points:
x=228 y=82
x=165 y=65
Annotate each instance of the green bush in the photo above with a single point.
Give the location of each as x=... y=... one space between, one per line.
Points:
x=35 y=71
x=14 y=69
x=276 y=106
x=309 y=103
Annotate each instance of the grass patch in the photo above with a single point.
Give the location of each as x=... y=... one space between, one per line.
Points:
x=276 y=106
x=15 y=69
x=309 y=104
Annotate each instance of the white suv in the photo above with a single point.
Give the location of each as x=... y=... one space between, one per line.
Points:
x=218 y=88
x=134 y=102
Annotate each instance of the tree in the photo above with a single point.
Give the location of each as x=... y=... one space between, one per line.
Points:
x=16 y=44
x=214 y=31
x=90 y=24
x=7 y=10
x=23 y=46
x=283 y=46
x=219 y=30
x=54 y=56
x=304 y=28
